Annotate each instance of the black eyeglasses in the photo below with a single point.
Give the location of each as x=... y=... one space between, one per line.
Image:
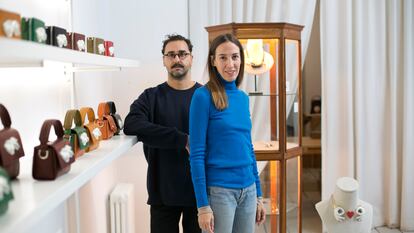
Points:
x=181 y=54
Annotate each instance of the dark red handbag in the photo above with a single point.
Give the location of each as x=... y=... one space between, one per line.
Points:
x=11 y=147
x=52 y=159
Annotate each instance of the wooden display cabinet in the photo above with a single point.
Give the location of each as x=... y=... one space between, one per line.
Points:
x=278 y=136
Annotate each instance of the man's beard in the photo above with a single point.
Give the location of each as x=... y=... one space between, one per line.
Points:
x=178 y=75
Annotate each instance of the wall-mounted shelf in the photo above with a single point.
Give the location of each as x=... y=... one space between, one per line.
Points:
x=22 y=53
x=35 y=199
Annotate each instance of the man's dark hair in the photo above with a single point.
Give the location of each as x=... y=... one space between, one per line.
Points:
x=175 y=37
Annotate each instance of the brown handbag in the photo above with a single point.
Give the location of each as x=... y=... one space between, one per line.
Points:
x=105 y=122
x=11 y=147
x=77 y=136
x=51 y=159
x=91 y=128
x=10 y=24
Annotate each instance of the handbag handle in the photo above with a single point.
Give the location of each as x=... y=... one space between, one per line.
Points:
x=5 y=117
x=103 y=109
x=45 y=131
x=72 y=115
x=112 y=108
x=87 y=111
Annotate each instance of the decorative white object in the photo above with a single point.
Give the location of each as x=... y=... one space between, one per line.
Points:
x=96 y=133
x=342 y=215
x=41 y=35
x=66 y=153
x=11 y=145
x=101 y=49
x=4 y=187
x=61 y=40
x=343 y=212
x=111 y=50
x=84 y=138
x=81 y=45
x=11 y=27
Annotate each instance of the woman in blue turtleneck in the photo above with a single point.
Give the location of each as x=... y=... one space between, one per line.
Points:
x=223 y=164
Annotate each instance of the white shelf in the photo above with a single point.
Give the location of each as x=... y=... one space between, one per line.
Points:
x=34 y=199
x=22 y=53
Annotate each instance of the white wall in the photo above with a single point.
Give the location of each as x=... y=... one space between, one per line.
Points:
x=137 y=28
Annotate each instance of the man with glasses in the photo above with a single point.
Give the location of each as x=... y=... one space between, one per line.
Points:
x=160 y=119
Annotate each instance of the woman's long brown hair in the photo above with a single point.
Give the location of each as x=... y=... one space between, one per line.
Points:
x=214 y=84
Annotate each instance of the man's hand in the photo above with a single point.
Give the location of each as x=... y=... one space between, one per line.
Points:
x=260 y=212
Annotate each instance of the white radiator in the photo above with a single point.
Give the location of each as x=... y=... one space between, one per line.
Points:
x=121 y=202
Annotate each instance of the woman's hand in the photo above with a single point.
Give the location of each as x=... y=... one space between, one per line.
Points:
x=260 y=212
x=206 y=222
x=206 y=219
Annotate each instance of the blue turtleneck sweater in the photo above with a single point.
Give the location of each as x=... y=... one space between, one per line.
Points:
x=220 y=143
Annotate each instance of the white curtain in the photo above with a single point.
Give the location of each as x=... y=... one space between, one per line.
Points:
x=203 y=13
x=215 y=12
x=368 y=103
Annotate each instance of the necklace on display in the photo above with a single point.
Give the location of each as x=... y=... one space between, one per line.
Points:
x=341 y=215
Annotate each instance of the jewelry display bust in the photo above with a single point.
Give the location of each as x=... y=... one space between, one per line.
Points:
x=343 y=212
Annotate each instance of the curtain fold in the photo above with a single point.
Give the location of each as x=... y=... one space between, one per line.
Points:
x=214 y=12
x=367 y=84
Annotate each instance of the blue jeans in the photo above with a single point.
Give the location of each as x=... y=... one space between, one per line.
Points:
x=234 y=209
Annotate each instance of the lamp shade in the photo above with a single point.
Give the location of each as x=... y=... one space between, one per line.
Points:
x=257 y=60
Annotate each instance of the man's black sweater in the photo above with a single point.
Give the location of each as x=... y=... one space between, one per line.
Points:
x=160 y=119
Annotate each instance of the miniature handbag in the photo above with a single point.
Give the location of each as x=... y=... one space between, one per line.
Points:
x=76 y=41
x=77 y=136
x=6 y=193
x=33 y=29
x=91 y=127
x=10 y=24
x=51 y=159
x=95 y=45
x=109 y=49
x=117 y=118
x=56 y=36
x=105 y=122
x=11 y=147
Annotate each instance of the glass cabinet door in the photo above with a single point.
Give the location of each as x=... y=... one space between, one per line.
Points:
x=292 y=93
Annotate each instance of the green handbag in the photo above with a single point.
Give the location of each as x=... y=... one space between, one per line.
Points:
x=34 y=30
x=77 y=136
x=6 y=194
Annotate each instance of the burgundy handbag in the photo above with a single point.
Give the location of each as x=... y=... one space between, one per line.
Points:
x=11 y=148
x=51 y=159
x=76 y=41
